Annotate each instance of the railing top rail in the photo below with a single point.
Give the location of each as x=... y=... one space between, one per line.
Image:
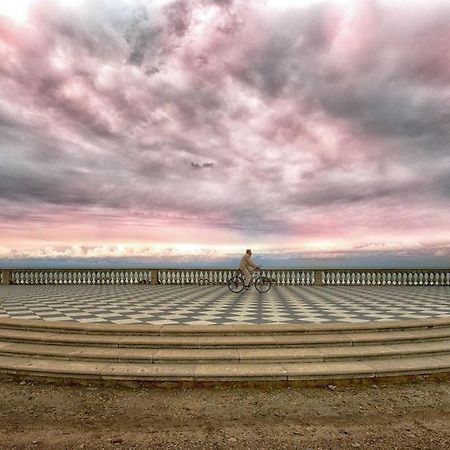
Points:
x=318 y=269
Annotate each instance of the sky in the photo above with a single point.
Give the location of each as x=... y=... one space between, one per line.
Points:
x=180 y=133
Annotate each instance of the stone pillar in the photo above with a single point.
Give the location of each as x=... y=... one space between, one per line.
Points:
x=154 y=277
x=6 y=277
x=318 y=278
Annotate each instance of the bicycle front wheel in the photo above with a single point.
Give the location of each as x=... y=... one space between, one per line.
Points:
x=263 y=284
x=236 y=284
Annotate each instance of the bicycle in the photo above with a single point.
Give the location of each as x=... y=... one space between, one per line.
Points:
x=236 y=283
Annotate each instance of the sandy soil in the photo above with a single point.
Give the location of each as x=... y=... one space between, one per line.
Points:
x=45 y=416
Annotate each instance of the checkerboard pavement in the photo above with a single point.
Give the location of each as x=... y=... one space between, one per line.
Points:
x=197 y=305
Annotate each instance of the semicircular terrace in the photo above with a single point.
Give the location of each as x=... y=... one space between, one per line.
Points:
x=326 y=326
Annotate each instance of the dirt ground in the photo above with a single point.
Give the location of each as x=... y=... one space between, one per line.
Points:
x=404 y=416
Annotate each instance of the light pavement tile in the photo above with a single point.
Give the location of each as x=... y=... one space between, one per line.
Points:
x=56 y=318
x=91 y=320
x=127 y=321
x=29 y=317
x=200 y=322
x=163 y=322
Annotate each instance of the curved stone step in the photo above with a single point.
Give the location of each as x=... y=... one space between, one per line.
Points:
x=201 y=372
x=243 y=355
x=218 y=341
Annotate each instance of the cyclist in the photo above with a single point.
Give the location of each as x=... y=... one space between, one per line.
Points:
x=247 y=266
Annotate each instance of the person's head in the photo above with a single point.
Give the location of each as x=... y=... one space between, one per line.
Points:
x=249 y=252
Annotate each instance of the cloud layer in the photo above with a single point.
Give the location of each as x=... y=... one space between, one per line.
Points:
x=313 y=127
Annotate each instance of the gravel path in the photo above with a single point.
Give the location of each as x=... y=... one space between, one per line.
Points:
x=45 y=416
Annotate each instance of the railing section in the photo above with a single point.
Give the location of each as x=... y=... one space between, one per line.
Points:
x=220 y=276
x=283 y=277
x=87 y=276
x=385 y=277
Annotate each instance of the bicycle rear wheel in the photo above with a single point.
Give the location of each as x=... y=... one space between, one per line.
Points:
x=263 y=284
x=236 y=284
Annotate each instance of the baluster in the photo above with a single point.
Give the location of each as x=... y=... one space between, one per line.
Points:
x=419 y=278
x=332 y=278
x=394 y=278
x=276 y=276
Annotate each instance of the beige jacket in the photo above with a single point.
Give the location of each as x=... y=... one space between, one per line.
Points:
x=247 y=262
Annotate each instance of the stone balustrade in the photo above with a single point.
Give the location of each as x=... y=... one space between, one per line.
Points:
x=290 y=277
